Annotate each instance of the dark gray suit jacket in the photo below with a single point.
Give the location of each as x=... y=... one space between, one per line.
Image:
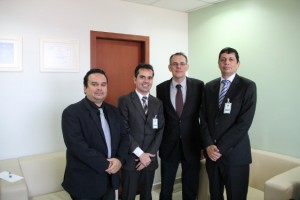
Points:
x=186 y=128
x=139 y=127
x=229 y=132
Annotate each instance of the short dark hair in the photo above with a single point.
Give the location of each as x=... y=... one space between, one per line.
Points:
x=229 y=50
x=93 y=71
x=142 y=66
x=178 y=54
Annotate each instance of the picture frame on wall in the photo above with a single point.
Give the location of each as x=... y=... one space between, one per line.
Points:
x=58 y=55
x=10 y=54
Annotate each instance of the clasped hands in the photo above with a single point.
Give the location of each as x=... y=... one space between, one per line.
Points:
x=114 y=165
x=213 y=152
x=144 y=161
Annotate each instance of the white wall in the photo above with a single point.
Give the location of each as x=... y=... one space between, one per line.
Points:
x=31 y=102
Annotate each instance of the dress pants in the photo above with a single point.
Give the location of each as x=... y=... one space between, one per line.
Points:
x=133 y=181
x=189 y=178
x=234 y=178
x=109 y=195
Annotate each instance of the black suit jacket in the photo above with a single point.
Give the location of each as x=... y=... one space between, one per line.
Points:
x=85 y=174
x=140 y=127
x=187 y=127
x=229 y=132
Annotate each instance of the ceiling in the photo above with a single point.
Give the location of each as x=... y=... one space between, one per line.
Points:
x=178 y=5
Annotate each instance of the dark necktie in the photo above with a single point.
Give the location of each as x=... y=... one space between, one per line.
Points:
x=106 y=131
x=179 y=100
x=145 y=105
x=223 y=91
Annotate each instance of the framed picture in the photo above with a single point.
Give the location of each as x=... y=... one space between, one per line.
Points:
x=10 y=54
x=59 y=55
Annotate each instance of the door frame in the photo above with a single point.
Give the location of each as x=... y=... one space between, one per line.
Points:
x=144 y=40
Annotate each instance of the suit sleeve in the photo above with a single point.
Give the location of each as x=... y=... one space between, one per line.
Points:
x=206 y=137
x=124 y=141
x=124 y=110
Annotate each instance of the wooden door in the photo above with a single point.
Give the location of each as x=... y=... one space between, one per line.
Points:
x=118 y=55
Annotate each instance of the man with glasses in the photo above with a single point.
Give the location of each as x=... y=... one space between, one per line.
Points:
x=181 y=143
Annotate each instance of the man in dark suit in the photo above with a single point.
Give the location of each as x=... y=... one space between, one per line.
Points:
x=225 y=120
x=144 y=120
x=95 y=152
x=181 y=139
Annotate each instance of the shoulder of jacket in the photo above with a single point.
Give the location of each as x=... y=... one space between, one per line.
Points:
x=162 y=84
x=194 y=80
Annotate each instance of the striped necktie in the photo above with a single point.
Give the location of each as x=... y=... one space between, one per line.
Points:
x=223 y=91
x=145 y=105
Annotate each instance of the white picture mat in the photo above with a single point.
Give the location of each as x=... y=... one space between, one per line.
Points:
x=10 y=54
x=59 y=55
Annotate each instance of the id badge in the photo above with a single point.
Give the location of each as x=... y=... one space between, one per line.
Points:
x=227 y=107
x=155 y=122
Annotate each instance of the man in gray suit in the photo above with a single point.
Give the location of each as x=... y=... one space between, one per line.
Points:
x=144 y=121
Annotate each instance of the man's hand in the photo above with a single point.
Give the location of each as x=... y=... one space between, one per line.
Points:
x=140 y=166
x=145 y=158
x=114 y=165
x=213 y=152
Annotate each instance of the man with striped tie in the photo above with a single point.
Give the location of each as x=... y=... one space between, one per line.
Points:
x=227 y=112
x=144 y=121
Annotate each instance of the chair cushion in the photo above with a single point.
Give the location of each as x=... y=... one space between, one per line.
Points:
x=254 y=193
x=43 y=173
x=62 y=195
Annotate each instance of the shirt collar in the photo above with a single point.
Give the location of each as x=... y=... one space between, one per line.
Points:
x=141 y=96
x=230 y=78
x=94 y=106
x=183 y=83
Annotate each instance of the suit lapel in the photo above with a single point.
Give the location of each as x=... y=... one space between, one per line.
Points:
x=168 y=96
x=96 y=119
x=137 y=104
x=151 y=105
x=215 y=91
x=233 y=87
x=188 y=96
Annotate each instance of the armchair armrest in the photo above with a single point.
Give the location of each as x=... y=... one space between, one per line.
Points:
x=203 y=190
x=283 y=186
x=16 y=190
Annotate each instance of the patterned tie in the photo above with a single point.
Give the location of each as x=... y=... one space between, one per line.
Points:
x=145 y=106
x=106 y=131
x=179 y=100
x=223 y=91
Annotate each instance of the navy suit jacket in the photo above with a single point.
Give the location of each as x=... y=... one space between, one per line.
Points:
x=85 y=174
x=140 y=127
x=186 y=128
x=229 y=132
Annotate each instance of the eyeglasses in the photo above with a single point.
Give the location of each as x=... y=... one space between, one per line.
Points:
x=175 y=64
